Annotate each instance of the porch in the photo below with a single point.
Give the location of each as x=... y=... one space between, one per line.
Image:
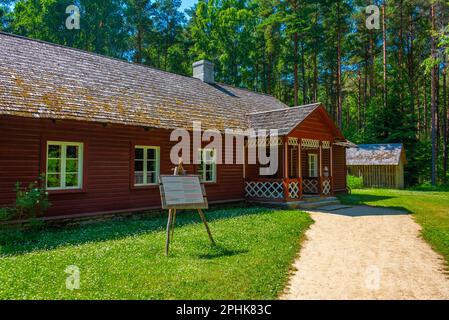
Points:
x=305 y=168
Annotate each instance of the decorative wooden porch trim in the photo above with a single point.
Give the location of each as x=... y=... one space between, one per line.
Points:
x=326 y=144
x=292 y=141
x=310 y=143
x=268 y=189
x=253 y=142
x=274 y=189
x=326 y=186
x=293 y=189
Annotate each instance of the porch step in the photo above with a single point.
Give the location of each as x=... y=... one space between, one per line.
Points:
x=319 y=203
x=307 y=198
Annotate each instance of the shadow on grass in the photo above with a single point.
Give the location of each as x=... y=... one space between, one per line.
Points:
x=366 y=210
x=17 y=242
x=219 y=251
x=354 y=199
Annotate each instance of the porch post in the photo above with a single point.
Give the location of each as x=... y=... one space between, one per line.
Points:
x=244 y=162
x=331 y=171
x=331 y=164
x=299 y=160
x=321 y=162
x=284 y=182
x=285 y=158
x=299 y=168
x=320 y=178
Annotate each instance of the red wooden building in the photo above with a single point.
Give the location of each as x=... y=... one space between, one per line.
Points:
x=99 y=128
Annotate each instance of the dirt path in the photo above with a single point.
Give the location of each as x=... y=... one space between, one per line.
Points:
x=367 y=253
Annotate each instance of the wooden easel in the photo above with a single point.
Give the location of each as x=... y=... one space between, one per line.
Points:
x=179 y=170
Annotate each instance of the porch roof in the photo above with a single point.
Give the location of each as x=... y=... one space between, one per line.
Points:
x=284 y=120
x=375 y=154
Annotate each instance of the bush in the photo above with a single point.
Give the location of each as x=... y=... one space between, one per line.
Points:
x=31 y=202
x=429 y=187
x=355 y=182
x=6 y=214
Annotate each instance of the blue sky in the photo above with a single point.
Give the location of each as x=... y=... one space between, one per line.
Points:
x=186 y=4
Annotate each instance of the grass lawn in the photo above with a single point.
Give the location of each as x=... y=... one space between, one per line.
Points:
x=430 y=210
x=125 y=259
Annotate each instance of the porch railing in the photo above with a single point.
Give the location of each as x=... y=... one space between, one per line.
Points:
x=287 y=189
x=274 y=189
x=326 y=186
x=311 y=185
x=265 y=189
x=317 y=185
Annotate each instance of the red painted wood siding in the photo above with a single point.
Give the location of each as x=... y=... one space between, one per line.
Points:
x=339 y=174
x=107 y=157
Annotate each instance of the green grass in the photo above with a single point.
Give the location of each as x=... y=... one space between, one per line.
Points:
x=125 y=259
x=430 y=210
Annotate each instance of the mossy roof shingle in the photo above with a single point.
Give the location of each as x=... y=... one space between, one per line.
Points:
x=43 y=80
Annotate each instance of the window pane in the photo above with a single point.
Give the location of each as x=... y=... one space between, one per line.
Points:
x=54 y=166
x=54 y=151
x=138 y=177
x=209 y=156
x=151 y=154
x=53 y=180
x=71 y=180
x=72 y=152
x=151 y=165
x=71 y=166
x=138 y=153
x=151 y=177
x=138 y=165
x=209 y=176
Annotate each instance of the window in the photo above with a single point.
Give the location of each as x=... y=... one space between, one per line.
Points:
x=313 y=165
x=146 y=165
x=64 y=165
x=207 y=165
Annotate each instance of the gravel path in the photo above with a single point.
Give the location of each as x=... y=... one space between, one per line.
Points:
x=367 y=253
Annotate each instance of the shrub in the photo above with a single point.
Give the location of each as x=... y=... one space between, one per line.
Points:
x=31 y=202
x=6 y=214
x=355 y=182
x=427 y=186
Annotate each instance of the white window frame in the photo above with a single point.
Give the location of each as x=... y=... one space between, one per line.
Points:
x=202 y=165
x=313 y=165
x=145 y=165
x=63 y=158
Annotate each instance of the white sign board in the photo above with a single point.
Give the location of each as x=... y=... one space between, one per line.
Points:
x=182 y=192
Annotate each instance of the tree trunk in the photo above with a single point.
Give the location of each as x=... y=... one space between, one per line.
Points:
x=139 y=44
x=433 y=93
x=315 y=78
x=400 y=46
x=411 y=71
x=384 y=50
x=445 y=120
x=425 y=111
x=372 y=90
x=339 y=97
x=303 y=71
x=295 y=67
x=359 y=98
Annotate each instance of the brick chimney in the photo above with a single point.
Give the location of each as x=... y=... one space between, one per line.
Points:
x=204 y=70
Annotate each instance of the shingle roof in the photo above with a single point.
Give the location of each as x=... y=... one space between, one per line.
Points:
x=43 y=80
x=284 y=120
x=374 y=154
